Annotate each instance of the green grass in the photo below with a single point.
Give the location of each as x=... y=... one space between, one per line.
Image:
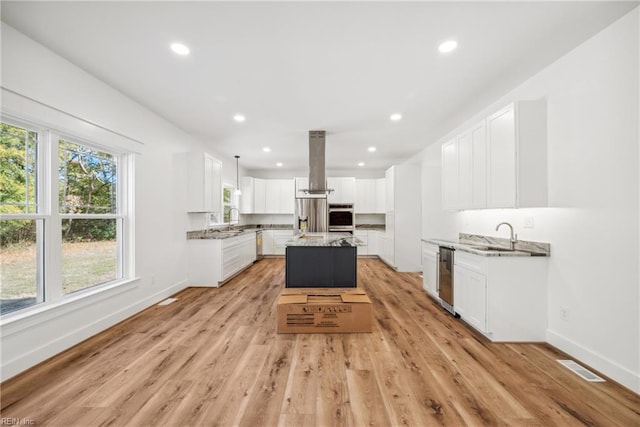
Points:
x=83 y=264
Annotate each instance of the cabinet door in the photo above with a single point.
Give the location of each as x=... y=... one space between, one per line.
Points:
x=365 y=196
x=430 y=271
x=348 y=189
x=204 y=183
x=247 y=196
x=380 y=196
x=478 y=166
x=389 y=190
x=286 y=196
x=336 y=195
x=470 y=297
x=259 y=196
x=450 y=177
x=363 y=235
x=279 y=240
x=465 y=160
x=301 y=184
x=267 y=242
x=501 y=159
x=272 y=196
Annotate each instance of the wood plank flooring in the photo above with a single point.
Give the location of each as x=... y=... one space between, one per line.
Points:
x=213 y=358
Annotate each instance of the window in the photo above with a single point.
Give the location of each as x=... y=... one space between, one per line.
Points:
x=21 y=236
x=229 y=201
x=81 y=210
x=87 y=187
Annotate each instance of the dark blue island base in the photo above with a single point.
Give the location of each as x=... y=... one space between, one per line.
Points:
x=321 y=267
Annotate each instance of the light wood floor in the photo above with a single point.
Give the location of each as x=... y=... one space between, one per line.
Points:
x=213 y=358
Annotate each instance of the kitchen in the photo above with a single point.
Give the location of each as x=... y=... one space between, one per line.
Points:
x=592 y=152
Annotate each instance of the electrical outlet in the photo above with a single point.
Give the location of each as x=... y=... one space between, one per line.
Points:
x=564 y=314
x=528 y=222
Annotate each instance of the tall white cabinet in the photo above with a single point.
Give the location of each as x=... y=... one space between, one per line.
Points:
x=204 y=183
x=401 y=243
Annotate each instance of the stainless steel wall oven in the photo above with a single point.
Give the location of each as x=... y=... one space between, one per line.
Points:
x=341 y=217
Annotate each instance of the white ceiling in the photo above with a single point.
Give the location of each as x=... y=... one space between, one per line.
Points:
x=291 y=67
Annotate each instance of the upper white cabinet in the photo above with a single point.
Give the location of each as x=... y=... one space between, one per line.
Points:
x=344 y=190
x=302 y=184
x=517 y=156
x=500 y=162
x=370 y=196
x=204 y=180
x=267 y=196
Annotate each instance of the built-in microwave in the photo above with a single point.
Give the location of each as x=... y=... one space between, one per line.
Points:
x=341 y=217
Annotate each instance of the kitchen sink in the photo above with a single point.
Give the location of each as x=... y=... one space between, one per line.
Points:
x=503 y=249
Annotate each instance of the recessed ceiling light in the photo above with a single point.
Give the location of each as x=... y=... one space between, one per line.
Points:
x=371 y=149
x=395 y=117
x=180 y=49
x=448 y=46
x=361 y=164
x=239 y=118
x=279 y=164
x=266 y=149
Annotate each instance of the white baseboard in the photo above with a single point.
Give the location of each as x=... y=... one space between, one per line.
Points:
x=613 y=370
x=33 y=356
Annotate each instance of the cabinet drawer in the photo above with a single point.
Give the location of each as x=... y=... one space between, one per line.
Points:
x=471 y=262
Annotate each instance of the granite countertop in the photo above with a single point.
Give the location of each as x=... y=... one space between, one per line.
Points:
x=237 y=230
x=490 y=246
x=325 y=240
x=380 y=227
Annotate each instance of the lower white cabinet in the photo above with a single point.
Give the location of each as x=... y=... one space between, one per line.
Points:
x=386 y=249
x=273 y=241
x=504 y=297
x=213 y=261
x=430 y=254
x=363 y=235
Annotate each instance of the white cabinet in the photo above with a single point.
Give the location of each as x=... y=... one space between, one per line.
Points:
x=344 y=190
x=204 y=183
x=374 y=242
x=213 y=261
x=504 y=297
x=381 y=196
x=370 y=196
x=273 y=241
x=500 y=162
x=430 y=255
x=363 y=235
x=401 y=247
x=450 y=175
x=464 y=170
x=517 y=156
x=267 y=196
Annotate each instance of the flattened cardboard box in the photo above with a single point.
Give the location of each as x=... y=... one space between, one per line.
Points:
x=324 y=310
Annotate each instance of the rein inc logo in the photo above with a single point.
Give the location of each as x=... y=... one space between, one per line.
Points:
x=7 y=421
x=327 y=309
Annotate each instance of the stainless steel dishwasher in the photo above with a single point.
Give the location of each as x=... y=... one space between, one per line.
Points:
x=445 y=278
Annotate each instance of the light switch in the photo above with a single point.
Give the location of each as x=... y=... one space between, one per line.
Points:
x=528 y=222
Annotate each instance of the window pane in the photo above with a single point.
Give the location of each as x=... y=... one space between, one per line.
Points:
x=19 y=265
x=87 y=180
x=18 y=165
x=89 y=253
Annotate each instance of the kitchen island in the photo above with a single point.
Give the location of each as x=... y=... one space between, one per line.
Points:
x=321 y=260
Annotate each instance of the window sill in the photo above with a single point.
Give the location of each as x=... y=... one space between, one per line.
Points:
x=43 y=312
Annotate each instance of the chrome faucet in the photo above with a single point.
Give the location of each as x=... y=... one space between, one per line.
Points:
x=514 y=238
x=231 y=216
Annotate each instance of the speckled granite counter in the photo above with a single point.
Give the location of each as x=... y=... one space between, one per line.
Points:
x=325 y=240
x=236 y=230
x=493 y=246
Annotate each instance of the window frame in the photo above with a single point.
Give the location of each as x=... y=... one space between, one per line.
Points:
x=49 y=233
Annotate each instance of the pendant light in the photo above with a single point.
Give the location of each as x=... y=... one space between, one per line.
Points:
x=237 y=191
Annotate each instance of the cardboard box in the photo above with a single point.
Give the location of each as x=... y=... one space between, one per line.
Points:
x=324 y=310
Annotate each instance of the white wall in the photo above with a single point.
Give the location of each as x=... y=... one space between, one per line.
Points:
x=160 y=204
x=593 y=219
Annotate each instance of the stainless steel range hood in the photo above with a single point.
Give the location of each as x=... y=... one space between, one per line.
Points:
x=317 y=173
